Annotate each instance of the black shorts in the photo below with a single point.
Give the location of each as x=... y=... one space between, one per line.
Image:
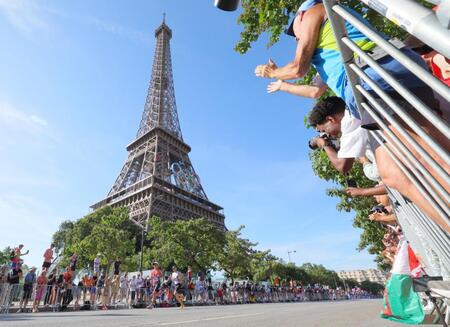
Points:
x=27 y=291
x=46 y=264
x=116 y=272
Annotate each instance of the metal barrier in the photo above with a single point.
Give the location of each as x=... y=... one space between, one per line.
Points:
x=61 y=297
x=433 y=187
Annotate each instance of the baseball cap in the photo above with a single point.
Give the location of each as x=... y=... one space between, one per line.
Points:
x=308 y=4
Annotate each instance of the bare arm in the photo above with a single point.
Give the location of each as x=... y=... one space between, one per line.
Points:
x=383 y=218
x=343 y=165
x=308 y=30
x=376 y=190
x=308 y=91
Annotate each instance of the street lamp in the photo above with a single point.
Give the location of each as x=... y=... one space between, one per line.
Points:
x=289 y=254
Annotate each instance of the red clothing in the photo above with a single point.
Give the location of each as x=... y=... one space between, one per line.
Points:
x=17 y=255
x=437 y=71
x=67 y=276
x=155 y=276
x=48 y=255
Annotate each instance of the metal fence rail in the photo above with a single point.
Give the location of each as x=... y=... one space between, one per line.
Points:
x=70 y=297
x=434 y=188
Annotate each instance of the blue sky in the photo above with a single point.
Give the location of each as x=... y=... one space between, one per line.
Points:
x=73 y=82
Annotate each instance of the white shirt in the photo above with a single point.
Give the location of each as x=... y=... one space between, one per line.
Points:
x=371 y=169
x=174 y=277
x=354 y=139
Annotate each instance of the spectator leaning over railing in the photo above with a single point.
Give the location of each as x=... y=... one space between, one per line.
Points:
x=317 y=46
x=327 y=116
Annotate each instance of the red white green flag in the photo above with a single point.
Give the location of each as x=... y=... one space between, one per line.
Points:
x=401 y=303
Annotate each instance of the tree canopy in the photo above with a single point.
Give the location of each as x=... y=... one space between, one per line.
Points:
x=106 y=231
x=5 y=255
x=194 y=242
x=273 y=17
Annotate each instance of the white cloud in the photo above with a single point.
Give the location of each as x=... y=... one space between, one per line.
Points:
x=28 y=16
x=117 y=29
x=38 y=120
x=16 y=119
x=24 y=15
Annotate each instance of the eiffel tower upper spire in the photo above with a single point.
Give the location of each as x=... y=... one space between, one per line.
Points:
x=160 y=106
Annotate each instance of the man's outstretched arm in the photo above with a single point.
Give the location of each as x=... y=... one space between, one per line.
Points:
x=308 y=32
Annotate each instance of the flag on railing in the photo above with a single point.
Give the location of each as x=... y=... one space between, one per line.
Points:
x=401 y=303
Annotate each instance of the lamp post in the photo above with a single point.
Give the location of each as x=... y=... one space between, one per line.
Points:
x=289 y=255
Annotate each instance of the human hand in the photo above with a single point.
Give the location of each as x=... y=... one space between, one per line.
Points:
x=266 y=70
x=354 y=191
x=316 y=143
x=319 y=141
x=274 y=86
x=375 y=217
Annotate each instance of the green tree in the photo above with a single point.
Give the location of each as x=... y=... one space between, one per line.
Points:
x=5 y=255
x=194 y=242
x=62 y=234
x=237 y=255
x=264 y=266
x=371 y=287
x=320 y=274
x=106 y=231
x=273 y=17
x=350 y=283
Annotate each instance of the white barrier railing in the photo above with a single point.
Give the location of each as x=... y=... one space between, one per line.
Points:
x=433 y=187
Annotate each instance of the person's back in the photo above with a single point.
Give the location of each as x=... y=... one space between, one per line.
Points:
x=328 y=62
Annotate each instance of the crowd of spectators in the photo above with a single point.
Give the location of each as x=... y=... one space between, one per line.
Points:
x=53 y=290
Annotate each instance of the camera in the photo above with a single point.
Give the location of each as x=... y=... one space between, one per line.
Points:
x=227 y=5
x=379 y=208
x=328 y=140
x=351 y=182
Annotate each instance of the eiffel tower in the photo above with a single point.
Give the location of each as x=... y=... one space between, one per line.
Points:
x=158 y=178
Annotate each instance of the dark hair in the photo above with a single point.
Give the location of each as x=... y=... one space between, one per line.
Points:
x=327 y=107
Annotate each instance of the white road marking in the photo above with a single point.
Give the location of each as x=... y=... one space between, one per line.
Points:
x=209 y=319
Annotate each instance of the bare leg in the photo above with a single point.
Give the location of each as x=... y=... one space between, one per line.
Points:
x=392 y=176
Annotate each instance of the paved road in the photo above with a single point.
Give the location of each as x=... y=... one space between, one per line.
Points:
x=343 y=313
